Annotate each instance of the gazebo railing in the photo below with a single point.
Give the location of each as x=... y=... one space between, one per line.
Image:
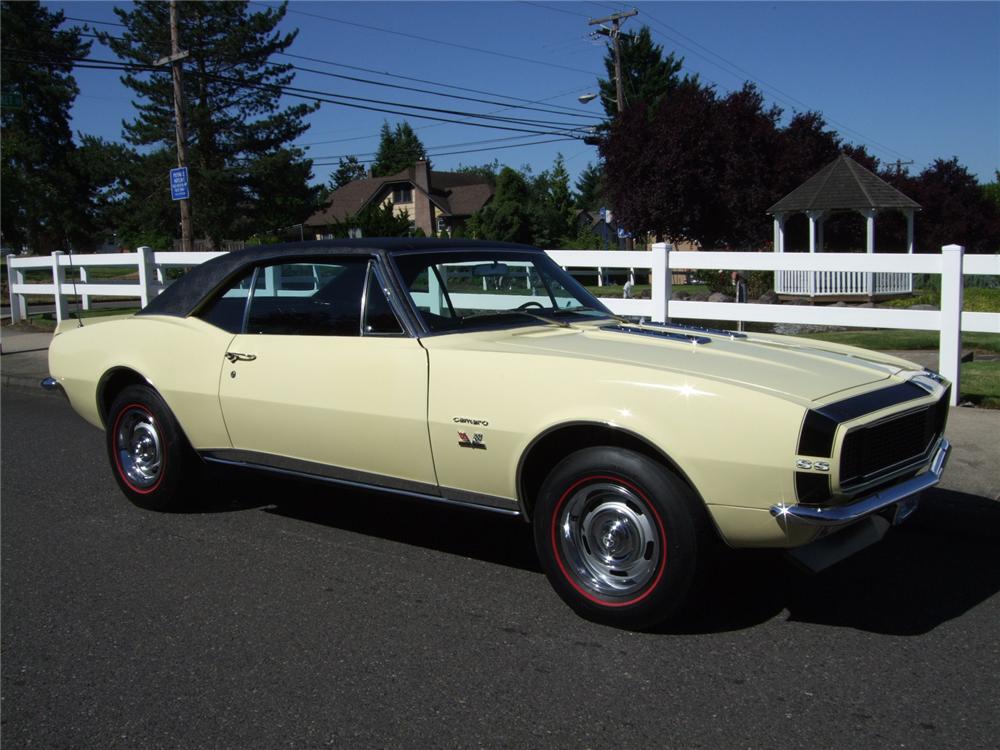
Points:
x=841 y=283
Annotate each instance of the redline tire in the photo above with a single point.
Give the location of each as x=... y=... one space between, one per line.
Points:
x=149 y=456
x=620 y=537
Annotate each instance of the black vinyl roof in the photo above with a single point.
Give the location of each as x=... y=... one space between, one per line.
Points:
x=182 y=297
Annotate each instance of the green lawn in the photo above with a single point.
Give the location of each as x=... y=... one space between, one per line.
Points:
x=981 y=383
x=974 y=299
x=616 y=290
x=891 y=338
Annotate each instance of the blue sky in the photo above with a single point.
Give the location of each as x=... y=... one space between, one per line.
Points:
x=911 y=81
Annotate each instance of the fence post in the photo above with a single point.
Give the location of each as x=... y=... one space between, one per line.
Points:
x=147 y=274
x=18 y=306
x=950 y=351
x=84 y=297
x=58 y=278
x=660 y=286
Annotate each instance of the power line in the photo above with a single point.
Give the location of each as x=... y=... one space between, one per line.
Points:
x=325 y=163
x=438 y=93
x=575 y=112
x=536 y=127
x=447 y=145
x=571 y=110
x=430 y=40
x=555 y=9
x=789 y=99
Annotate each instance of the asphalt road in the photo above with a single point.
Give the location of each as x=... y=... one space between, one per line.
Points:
x=293 y=615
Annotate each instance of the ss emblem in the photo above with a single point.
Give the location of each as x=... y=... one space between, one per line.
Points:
x=805 y=464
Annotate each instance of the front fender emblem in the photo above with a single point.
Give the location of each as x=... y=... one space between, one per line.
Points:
x=476 y=441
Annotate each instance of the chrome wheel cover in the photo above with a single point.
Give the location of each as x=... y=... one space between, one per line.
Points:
x=139 y=448
x=609 y=540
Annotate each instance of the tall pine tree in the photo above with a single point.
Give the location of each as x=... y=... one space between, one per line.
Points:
x=39 y=208
x=237 y=128
x=398 y=149
x=647 y=76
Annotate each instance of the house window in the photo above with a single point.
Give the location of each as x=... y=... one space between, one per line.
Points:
x=402 y=194
x=442 y=224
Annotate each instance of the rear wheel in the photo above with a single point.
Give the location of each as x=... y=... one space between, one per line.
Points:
x=149 y=455
x=619 y=536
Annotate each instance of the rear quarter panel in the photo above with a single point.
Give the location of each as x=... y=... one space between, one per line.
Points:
x=181 y=358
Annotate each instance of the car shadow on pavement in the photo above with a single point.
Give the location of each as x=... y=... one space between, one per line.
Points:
x=486 y=536
x=934 y=568
x=940 y=564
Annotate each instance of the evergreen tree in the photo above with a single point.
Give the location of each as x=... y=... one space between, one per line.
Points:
x=398 y=149
x=233 y=112
x=348 y=170
x=506 y=217
x=38 y=200
x=488 y=172
x=590 y=188
x=552 y=206
x=647 y=76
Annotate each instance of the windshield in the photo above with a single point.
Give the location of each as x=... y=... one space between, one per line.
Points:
x=455 y=290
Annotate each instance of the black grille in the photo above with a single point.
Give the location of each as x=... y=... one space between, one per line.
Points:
x=892 y=443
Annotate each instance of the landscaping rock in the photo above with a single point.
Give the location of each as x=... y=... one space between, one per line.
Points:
x=719 y=297
x=769 y=297
x=923 y=307
x=839 y=304
x=680 y=295
x=700 y=297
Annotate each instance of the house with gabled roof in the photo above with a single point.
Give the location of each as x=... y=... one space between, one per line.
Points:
x=436 y=202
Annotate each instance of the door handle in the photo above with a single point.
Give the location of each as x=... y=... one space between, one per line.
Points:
x=240 y=357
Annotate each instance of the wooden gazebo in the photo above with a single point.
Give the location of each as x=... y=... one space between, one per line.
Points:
x=841 y=186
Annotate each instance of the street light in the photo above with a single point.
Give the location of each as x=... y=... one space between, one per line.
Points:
x=586 y=98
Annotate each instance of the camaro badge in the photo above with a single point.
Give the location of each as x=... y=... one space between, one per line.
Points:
x=476 y=441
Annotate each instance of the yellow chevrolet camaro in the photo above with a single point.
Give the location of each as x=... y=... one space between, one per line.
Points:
x=482 y=374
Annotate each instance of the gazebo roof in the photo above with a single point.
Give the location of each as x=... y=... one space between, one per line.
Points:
x=843 y=185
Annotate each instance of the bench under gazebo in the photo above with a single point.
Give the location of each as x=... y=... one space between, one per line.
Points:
x=843 y=186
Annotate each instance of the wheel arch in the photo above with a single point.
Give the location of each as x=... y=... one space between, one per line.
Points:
x=113 y=382
x=557 y=442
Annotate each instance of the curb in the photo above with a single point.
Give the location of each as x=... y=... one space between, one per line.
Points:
x=25 y=384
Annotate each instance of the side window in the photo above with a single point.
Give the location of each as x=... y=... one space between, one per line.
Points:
x=226 y=309
x=308 y=298
x=380 y=320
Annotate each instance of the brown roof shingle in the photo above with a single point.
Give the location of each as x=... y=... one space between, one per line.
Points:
x=842 y=185
x=455 y=193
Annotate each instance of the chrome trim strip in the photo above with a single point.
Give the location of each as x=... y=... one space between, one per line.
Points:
x=464 y=497
x=841 y=515
x=636 y=331
x=357 y=479
x=695 y=329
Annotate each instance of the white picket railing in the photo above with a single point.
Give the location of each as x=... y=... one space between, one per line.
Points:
x=841 y=283
x=951 y=264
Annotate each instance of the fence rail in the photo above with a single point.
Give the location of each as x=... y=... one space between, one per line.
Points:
x=951 y=264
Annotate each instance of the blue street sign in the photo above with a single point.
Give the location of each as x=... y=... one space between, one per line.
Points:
x=179 y=188
x=604 y=211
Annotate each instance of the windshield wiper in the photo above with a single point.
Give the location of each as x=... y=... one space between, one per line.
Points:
x=602 y=313
x=528 y=313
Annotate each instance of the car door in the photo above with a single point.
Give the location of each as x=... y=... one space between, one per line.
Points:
x=322 y=378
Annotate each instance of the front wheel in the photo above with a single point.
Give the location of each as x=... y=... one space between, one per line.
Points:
x=619 y=536
x=149 y=455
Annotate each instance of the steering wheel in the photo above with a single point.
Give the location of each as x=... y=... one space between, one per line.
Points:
x=531 y=303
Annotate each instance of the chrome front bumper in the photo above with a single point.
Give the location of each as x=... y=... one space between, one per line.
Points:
x=842 y=515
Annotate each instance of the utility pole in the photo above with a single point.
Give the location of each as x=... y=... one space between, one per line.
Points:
x=174 y=60
x=899 y=164
x=615 y=19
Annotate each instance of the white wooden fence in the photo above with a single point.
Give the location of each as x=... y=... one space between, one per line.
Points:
x=951 y=264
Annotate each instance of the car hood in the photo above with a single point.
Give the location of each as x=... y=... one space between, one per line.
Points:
x=796 y=367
